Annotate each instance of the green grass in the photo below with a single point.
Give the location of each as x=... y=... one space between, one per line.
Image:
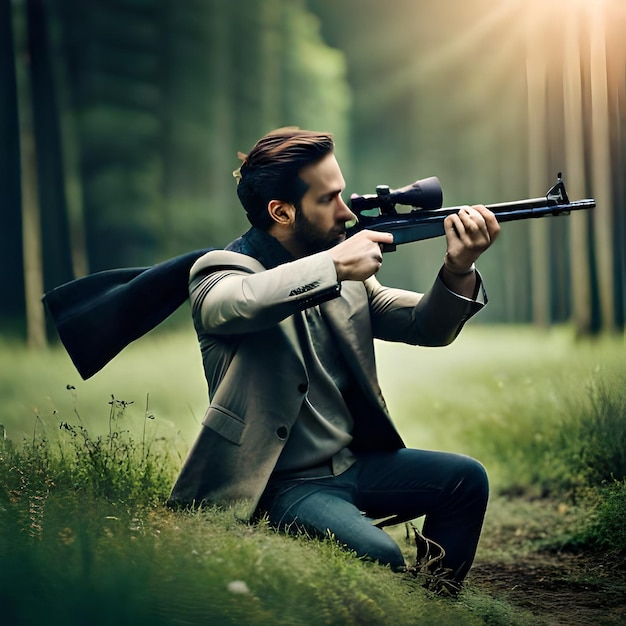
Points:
x=84 y=474
x=544 y=413
x=162 y=371
x=78 y=549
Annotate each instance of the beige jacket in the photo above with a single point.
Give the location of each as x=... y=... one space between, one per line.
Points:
x=247 y=319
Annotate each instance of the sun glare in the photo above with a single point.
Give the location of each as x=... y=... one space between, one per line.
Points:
x=611 y=8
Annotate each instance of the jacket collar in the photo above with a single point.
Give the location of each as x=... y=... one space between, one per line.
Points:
x=261 y=246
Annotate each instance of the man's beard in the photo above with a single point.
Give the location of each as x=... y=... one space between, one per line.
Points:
x=311 y=238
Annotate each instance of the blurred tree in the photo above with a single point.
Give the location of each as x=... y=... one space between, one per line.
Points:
x=574 y=138
x=111 y=54
x=474 y=93
x=617 y=102
x=56 y=249
x=162 y=94
x=538 y=172
x=601 y=167
x=165 y=93
x=12 y=304
x=47 y=261
x=189 y=117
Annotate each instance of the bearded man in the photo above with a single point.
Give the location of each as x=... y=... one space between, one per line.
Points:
x=297 y=429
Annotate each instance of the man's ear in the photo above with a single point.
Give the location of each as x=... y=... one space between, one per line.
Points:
x=281 y=212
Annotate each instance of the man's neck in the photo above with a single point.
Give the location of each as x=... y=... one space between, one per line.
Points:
x=284 y=235
x=262 y=246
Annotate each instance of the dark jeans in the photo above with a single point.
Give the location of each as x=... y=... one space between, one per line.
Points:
x=451 y=490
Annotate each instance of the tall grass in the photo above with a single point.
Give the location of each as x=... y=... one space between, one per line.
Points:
x=607 y=529
x=546 y=414
x=114 y=467
x=164 y=367
x=574 y=441
x=86 y=538
x=540 y=409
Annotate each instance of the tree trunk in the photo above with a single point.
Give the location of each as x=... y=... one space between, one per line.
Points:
x=33 y=266
x=575 y=168
x=31 y=227
x=56 y=247
x=601 y=168
x=617 y=83
x=12 y=305
x=536 y=72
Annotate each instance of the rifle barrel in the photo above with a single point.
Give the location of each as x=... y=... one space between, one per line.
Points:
x=420 y=224
x=506 y=212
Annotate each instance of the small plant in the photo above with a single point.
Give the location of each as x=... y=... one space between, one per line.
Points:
x=573 y=440
x=115 y=466
x=602 y=433
x=607 y=528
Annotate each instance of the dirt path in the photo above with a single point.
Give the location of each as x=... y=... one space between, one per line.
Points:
x=558 y=588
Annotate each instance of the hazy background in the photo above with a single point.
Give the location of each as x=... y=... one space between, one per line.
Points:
x=120 y=122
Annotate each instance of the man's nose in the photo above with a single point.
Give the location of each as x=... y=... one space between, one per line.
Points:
x=345 y=214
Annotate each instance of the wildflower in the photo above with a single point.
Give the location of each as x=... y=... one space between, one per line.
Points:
x=238 y=586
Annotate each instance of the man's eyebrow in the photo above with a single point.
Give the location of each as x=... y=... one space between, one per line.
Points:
x=330 y=194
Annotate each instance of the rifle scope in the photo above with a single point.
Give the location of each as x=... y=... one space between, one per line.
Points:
x=424 y=194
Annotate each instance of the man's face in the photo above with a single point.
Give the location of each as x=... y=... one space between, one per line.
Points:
x=320 y=221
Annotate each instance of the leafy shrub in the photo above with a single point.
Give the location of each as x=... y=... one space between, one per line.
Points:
x=114 y=466
x=608 y=526
x=599 y=453
x=562 y=441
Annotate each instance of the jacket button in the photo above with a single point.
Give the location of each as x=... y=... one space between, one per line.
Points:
x=282 y=432
x=302 y=387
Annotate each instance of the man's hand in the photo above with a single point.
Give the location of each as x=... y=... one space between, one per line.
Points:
x=359 y=257
x=468 y=234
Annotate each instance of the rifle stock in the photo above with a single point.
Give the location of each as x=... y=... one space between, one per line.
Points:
x=425 y=220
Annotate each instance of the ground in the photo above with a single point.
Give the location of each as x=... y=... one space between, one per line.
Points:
x=559 y=587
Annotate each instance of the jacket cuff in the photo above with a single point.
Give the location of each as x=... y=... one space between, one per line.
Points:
x=456 y=307
x=324 y=288
x=479 y=297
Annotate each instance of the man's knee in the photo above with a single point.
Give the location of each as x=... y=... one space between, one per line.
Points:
x=382 y=549
x=473 y=480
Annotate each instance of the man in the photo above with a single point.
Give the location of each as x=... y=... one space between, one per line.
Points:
x=297 y=428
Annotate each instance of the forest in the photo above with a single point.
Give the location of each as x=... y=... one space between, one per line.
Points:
x=120 y=127
x=121 y=120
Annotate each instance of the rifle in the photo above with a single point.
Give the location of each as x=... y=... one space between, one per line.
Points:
x=425 y=219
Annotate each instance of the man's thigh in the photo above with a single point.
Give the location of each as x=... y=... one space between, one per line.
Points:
x=408 y=483
x=324 y=509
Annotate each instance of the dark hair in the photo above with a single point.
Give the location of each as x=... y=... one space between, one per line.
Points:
x=270 y=170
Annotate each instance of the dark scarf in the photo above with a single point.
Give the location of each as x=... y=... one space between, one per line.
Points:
x=98 y=315
x=261 y=246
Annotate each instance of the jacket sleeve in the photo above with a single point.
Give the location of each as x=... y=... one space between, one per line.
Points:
x=232 y=293
x=431 y=319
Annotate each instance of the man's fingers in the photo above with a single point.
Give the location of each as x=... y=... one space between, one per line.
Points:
x=378 y=237
x=360 y=256
x=471 y=223
x=491 y=221
x=469 y=233
x=474 y=221
x=453 y=225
